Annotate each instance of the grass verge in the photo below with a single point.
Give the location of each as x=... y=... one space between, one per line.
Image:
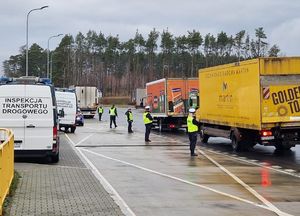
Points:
x=13 y=187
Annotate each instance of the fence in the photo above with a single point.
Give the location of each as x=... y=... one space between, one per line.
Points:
x=6 y=163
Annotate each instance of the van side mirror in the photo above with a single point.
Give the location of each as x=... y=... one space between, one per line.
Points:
x=61 y=113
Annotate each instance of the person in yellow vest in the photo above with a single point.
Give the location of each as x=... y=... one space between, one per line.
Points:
x=100 y=112
x=113 y=114
x=129 y=120
x=192 y=125
x=148 y=123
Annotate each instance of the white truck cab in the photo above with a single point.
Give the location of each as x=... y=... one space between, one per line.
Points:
x=67 y=103
x=28 y=107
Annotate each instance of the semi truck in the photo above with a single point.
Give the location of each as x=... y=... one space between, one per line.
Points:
x=88 y=99
x=250 y=102
x=169 y=100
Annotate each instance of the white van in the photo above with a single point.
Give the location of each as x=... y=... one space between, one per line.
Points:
x=28 y=107
x=66 y=103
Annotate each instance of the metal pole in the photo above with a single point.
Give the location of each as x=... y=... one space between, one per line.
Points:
x=48 y=51
x=41 y=8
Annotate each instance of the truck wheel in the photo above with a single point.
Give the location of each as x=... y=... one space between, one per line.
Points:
x=73 y=129
x=203 y=137
x=236 y=146
x=160 y=125
x=280 y=147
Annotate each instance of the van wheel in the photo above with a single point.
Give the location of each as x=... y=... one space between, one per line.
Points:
x=73 y=129
x=55 y=158
x=236 y=146
x=280 y=147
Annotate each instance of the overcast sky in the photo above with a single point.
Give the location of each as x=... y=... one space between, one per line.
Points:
x=279 y=18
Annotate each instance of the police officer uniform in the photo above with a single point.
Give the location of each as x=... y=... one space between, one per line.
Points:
x=100 y=112
x=192 y=124
x=113 y=113
x=148 y=123
x=129 y=120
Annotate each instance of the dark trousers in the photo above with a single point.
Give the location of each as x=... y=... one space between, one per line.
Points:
x=129 y=126
x=147 y=132
x=193 y=141
x=112 y=120
x=100 y=116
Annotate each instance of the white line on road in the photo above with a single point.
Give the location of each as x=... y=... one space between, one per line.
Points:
x=247 y=187
x=84 y=139
x=108 y=187
x=182 y=180
x=255 y=162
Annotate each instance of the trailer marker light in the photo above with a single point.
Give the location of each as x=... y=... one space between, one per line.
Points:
x=171 y=125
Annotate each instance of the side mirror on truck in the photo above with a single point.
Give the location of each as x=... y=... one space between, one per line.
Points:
x=61 y=113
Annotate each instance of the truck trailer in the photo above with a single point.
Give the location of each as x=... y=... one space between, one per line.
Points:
x=250 y=102
x=169 y=100
x=88 y=98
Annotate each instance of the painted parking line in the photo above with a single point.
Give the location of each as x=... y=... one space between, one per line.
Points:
x=107 y=186
x=185 y=181
x=247 y=187
x=255 y=163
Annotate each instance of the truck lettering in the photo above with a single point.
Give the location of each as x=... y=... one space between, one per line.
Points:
x=286 y=96
x=294 y=106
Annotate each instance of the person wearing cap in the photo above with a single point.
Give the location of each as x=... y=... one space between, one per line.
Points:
x=192 y=125
x=113 y=113
x=148 y=123
x=129 y=120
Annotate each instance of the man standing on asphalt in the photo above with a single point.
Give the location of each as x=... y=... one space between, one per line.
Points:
x=129 y=120
x=148 y=123
x=100 y=112
x=113 y=113
x=192 y=124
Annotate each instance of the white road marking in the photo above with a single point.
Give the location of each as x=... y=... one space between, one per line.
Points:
x=108 y=187
x=290 y=170
x=255 y=162
x=181 y=180
x=247 y=187
x=84 y=139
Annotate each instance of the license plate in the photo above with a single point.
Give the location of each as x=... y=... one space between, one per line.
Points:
x=17 y=145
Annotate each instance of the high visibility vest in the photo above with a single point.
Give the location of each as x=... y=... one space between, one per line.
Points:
x=191 y=126
x=130 y=116
x=112 y=111
x=100 y=110
x=146 y=120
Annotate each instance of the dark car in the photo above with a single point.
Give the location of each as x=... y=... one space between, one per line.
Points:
x=79 y=118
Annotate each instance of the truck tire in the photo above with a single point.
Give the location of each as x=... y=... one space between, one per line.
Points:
x=236 y=145
x=203 y=137
x=160 y=125
x=73 y=129
x=280 y=147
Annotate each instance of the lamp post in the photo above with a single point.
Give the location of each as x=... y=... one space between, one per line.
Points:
x=49 y=51
x=41 y=8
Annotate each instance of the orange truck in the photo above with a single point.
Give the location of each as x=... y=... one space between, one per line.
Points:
x=170 y=99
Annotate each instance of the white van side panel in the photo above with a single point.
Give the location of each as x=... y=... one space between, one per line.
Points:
x=39 y=123
x=12 y=121
x=67 y=102
x=28 y=111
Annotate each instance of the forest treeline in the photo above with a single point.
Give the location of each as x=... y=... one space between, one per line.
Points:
x=117 y=67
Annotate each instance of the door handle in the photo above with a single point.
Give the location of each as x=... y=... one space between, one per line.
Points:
x=30 y=126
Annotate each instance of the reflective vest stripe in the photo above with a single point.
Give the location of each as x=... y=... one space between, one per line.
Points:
x=191 y=126
x=146 y=120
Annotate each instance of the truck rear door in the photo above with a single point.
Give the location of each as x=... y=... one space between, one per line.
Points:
x=280 y=97
x=11 y=112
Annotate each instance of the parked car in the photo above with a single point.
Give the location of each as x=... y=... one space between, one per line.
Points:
x=79 y=118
